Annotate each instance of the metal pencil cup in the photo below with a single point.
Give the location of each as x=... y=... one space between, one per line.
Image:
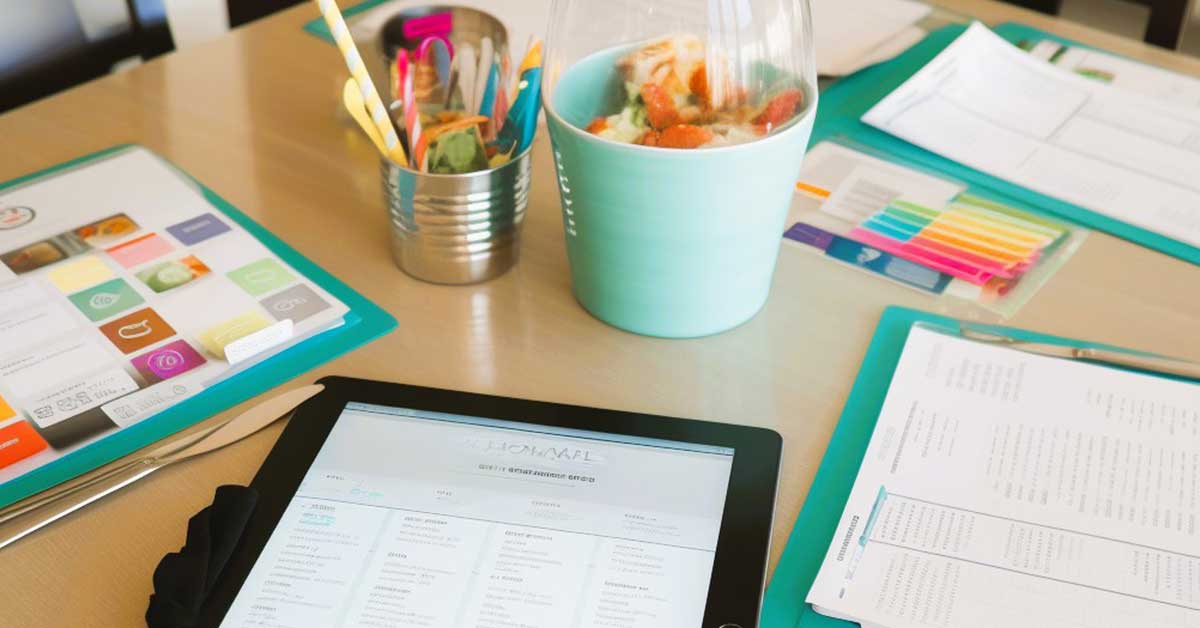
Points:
x=457 y=228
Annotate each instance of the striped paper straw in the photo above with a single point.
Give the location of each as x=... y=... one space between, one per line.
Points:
x=354 y=62
x=412 y=121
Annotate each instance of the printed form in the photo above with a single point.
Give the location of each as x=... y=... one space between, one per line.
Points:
x=1004 y=489
x=985 y=103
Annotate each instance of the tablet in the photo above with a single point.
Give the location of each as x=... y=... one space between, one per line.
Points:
x=391 y=505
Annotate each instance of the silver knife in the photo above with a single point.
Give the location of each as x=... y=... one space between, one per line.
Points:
x=23 y=518
x=1143 y=362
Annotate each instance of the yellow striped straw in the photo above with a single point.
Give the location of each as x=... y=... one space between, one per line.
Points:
x=354 y=62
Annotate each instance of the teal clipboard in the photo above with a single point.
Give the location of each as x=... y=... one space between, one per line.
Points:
x=320 y=29
x=364 y=322
x=784 y=605
x=843 y=105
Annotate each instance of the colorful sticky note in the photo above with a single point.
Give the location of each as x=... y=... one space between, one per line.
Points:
x=141 y=250
x=920 y=255
x=261 y=277
x=18 y=442
x=82 y=273
x=167 y=361
x=170 y=275
x=815 y=237
x=198 y=229
x=974 y=240
x=107 y=299
x=6 y=411
x=216 y=338
x=296 y=303
x=137 y=330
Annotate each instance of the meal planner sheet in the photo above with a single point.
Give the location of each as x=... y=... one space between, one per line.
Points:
x=123 y=291
x=985 y=103
x=1003 y=489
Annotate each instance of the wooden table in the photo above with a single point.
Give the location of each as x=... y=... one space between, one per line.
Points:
x=253 y=115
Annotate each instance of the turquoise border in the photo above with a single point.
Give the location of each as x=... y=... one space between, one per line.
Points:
x=843 y=105
x=784 y=605
x=364 y=322
x=320 y=29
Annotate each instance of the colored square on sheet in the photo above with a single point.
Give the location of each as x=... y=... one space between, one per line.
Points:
x=216 y=338
x=18 y=442
x=296 y=303
x=6 y=411
x=198 y=229
x=107 y=299
x=139 y=251
x=83 y=273
x=261 y=277
x=136 y=331
x=170 y=275
x=167 y=361
x=30 y=258
x=107 y=230
x=37 y=255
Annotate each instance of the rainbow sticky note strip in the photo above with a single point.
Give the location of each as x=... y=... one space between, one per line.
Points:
x=971 y=239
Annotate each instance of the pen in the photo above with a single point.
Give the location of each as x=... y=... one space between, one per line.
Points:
x=521 y=123
x=1142 y=362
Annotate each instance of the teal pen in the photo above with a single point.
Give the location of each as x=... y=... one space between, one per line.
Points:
x=521 y=124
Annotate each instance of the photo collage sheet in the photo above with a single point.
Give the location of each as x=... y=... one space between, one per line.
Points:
x=923 y=231
x=123 y=292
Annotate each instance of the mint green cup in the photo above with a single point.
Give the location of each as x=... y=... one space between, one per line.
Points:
x=663 y=242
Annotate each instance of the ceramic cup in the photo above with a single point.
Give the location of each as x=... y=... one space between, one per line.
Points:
x=662 y=242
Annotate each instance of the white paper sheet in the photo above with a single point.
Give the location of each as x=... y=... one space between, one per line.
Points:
x=1122 y=73
x=852 y=34
x=987 y=104
x=1003 y=489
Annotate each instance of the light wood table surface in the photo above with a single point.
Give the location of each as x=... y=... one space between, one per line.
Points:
x=254 y=115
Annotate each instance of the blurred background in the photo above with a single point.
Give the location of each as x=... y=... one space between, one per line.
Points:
x=50 y=45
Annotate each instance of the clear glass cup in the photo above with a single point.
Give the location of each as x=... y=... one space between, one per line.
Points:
x=678 y=129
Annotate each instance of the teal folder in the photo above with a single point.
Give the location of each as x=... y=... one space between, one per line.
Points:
x=784 y=605
x=843 y=105
x=364 y=322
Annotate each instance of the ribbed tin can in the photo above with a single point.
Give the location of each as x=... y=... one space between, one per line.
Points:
x=457 y=229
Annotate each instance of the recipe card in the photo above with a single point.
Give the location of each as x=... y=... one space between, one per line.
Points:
x=124 y=291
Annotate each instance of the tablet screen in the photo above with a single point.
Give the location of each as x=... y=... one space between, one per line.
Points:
x=423 y=519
